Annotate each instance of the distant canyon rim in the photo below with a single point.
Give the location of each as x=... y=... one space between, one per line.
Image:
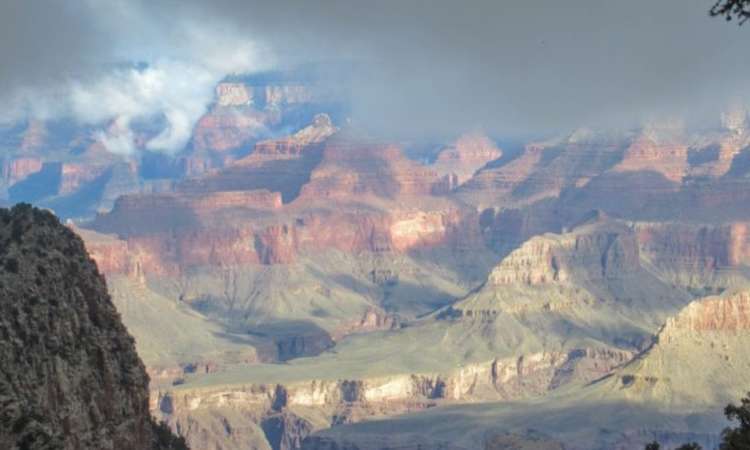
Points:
x=293 y=281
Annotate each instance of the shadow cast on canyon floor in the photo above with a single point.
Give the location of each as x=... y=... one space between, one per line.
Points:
x=289 y=339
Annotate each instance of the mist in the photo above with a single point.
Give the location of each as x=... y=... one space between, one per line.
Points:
x=421 y=68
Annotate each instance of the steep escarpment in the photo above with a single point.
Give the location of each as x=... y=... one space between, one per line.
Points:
x=176 y=231
x=658 y=148
x=714 y=155
x=705 y=258
x=714 y=314
x=711 y=333
x=78 y=170
x=560 y=311
x=282 y=165
x=544 y=169
x=599 y=251
x=594 y=267
x=288 y=412
x=15 y=170
x=470 y=152
x=673 y=392
x=284 y=276
x=659 y=172
x=354 y=165
x=70 y=378
x=225 y=128
x=229 y=233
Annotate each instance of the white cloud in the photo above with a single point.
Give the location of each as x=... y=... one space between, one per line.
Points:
x=119 y=138
x=177 y=90
x=180 y=63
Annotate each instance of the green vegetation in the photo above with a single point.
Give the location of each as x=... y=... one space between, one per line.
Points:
x=164 y=439
x=691 y=446
x=737 y=438
x=732 y=438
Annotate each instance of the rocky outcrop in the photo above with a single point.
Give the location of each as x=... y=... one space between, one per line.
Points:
x=276 y=407
x=265 y=95
x=111 y=254
x=714 y=155
x=373 y=319
x=243 y=215
x=468 y=154
x=316 y=164
x=353 y=166
x=233 y=94
x=287 y=94
x=70 y=378
x=544 y=169
x=692 y=369
x=285 y=430
x=74 y=176
x=168 y=232
x=698 y=256
x=503 y=179
x=16 y=169
x=281 y=165
x=76 y=173
x=151 y=213
x=290 y=147
x=73 y=185
x=580 y=273
x=423 y=229
x=244 y=113
x=223 y=130
x=590 y=252
x=697 y=358
x=729 y=314
x=659 y=149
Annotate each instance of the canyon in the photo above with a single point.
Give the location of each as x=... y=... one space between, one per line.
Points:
x=641 y=395
x=611 y=272
x=292 y=281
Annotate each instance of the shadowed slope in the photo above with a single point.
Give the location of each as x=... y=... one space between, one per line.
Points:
x=70 y=377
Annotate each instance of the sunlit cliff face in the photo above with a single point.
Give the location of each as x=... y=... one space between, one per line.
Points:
x=313 y=215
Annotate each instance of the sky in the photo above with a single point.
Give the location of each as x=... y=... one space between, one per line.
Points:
x=420 y=67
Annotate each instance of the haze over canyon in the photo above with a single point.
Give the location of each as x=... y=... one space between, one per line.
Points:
x=422 y=226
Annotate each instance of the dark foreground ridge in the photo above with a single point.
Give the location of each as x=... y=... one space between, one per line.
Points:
x=70 y=377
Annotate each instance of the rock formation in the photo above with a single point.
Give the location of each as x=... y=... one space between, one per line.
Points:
x=697 y=361
x=15 y=170
x=277 y=407
x=468 y=154
x=281 y=165
x=393 y=277
x=672 y=392
x=356 y=166
x=659 y=149
x=70 y=378
x=223 y=130
x=233 y=94
x=544 y=169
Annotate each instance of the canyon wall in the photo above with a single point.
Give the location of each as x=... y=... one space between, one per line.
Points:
x=349 y=401
x=71 y=378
